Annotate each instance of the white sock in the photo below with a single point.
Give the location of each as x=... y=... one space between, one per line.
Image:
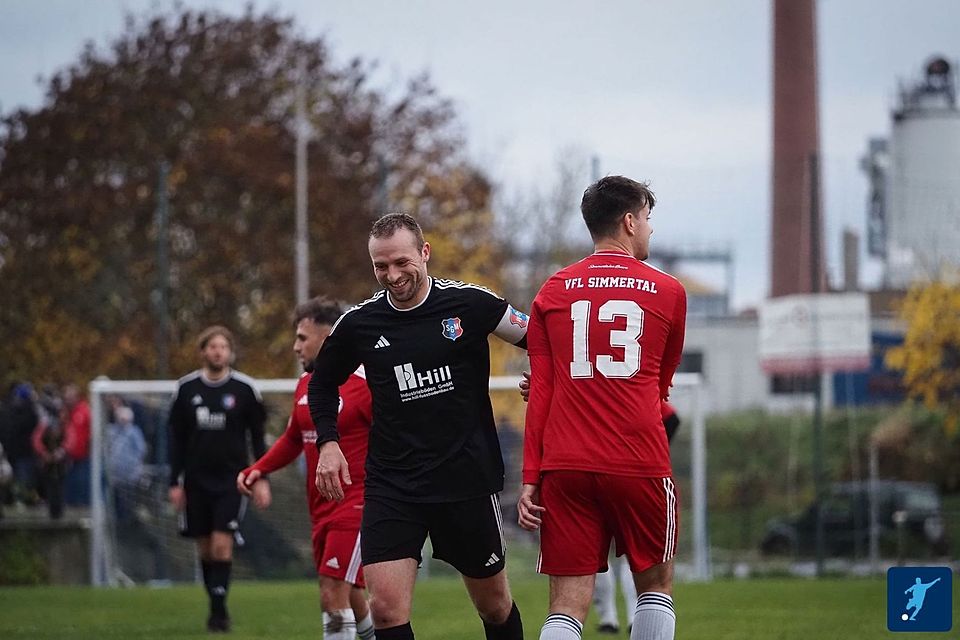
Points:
x=365 y=628
x=559 y=626
x=655 y=618
x=626 y=586
x=339 y=625
x=605 y=598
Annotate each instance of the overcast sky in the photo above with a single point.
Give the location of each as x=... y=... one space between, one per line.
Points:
x=675 y=92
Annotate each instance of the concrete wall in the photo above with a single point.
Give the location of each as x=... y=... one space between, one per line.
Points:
x=733 y=378
x=62 y=546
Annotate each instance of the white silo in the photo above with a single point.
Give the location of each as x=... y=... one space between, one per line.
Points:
x=922 y=181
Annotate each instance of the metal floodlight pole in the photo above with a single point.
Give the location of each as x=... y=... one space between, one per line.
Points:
x=163 y=271
x=301 y=248
x=815 y=279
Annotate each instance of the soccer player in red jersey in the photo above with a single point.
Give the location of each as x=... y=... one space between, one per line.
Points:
x=605 y=338
x=336 y=525
x=605 y=590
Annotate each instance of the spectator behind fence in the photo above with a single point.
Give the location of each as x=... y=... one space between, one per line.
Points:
x=47 y=443
x=76 y=442
x=6 y=479
x=126 y=449
x=17 y=422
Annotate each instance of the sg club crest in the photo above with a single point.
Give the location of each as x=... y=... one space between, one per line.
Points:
x=452 y=329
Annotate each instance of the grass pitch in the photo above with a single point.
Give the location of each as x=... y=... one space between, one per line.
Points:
x=789 y=609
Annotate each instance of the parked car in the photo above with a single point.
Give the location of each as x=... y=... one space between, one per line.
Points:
x=846 y=522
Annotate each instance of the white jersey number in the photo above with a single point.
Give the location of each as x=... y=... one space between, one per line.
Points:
x=627 y=339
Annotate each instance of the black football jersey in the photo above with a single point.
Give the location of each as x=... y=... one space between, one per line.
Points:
x=210 y=423
x=433 y=437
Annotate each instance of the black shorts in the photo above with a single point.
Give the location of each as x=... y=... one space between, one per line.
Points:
x=468 y=535
x=209 y=511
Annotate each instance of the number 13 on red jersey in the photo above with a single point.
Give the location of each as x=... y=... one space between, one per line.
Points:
x=627 y=339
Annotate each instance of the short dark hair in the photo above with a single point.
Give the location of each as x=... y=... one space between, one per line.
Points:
x=389 y=224
x=607 y=199
x=211 y=331
x=321 y=310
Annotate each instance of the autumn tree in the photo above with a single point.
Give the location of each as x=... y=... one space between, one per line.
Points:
x=930 y=354
x=211 y=97
x=541 y=229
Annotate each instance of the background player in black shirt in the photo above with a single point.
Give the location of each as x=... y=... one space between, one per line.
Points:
x=434 y=464
x=212 y=414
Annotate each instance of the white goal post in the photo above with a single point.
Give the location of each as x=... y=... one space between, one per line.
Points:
x=102 y=569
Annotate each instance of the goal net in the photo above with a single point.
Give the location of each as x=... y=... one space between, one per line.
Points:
x=134 y=533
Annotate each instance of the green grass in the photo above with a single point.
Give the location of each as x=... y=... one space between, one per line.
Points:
x=768 y=609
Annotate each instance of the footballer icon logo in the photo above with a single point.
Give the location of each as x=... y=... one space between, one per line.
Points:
x=919 y=599
x=519 y=318
x=451 y=328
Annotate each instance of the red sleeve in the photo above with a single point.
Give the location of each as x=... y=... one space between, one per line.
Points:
x=284 y=451
x=76 y=438
x=674 y=348
x=541 y=393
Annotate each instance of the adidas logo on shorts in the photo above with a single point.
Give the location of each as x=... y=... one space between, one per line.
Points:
x=494 y=559
x=333 y=563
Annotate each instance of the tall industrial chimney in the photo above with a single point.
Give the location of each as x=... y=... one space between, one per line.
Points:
x=797 y=225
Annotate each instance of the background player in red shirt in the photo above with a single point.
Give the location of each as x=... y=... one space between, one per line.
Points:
x=605 y=338
x=336 y=525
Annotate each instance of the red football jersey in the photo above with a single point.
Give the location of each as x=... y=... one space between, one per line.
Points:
x=604 y=340
x=353 y=424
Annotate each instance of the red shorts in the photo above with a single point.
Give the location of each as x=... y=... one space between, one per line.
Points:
x=336 y=545
x=585 y=510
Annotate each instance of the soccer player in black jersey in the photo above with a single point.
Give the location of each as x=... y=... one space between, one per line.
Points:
x=213 y=412
x=434 y=464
